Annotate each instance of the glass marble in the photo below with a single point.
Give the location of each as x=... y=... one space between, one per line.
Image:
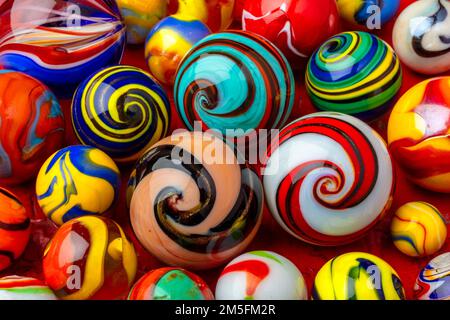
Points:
x=24 y=288
x=296 y=27
x=170 y=284
x=253 y=87
x=418 y=229
x=60 y=39
x=90 y=258
x=121 y=110
x=421 y=36
x=31 y=126
x=370 y=14
x=193 y=204
x=328 y=178
x=261 y=275
x=357 y=276
x=216 y=14
x=77 y=181
x=418 y=134
x=433 y=282
x=169 y=41
x=140 y=16
x=15 y=228
x=355 y=73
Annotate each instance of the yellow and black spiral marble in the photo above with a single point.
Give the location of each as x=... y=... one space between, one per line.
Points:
x=121 y=110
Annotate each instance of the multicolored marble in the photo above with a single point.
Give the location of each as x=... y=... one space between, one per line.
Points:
x=339 y=189
x=122 y=111
x=255 y=88
x=418 y=130
x=24 y=288
x=421 y=36
x=15 y=228
x=168 y=43
x=170 y=284
x=261 y=275
x=357 y=276
x=355 y=73
x=77 y=181
x=90 y=258
x=193 y=204
x=36 y=130
x=433 y=282
x=60 y=39
x=418 y=229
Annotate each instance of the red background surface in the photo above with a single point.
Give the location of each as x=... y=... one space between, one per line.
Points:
x=309 y=259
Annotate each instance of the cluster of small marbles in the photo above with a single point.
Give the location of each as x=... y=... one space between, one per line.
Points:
x=122 y=111
x=90 y=258
x=254 y=89
x=356 y=73
x=190 y=206
x=418 y=229
x=77 y=181
x=193 y=204
x=328 y=178
x=296 y=27
x=62 y=40
x=35 y=131
x=261 y=275
x=170 y=284
x=421 y=36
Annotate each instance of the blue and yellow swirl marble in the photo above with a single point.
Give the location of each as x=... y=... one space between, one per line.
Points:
x=77 y=181
x=121 y=110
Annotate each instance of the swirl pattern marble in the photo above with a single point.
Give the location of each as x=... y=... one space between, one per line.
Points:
x=194 y=204
x=77 y=181
x=355 y=73
x=418 y=130
x=122 y=111
x=254 y=89
x=36 y=130
x=90 y=258
x=421 y=36
x=61 y=39
x=433 y=282
x=329 y=179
